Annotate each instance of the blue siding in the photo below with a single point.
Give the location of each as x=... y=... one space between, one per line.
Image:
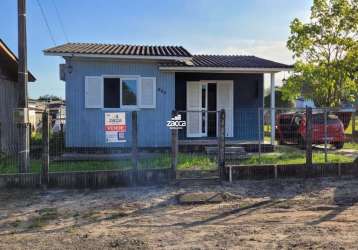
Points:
x=248 y=98
x=85 y=127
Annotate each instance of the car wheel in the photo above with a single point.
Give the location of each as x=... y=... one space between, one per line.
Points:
x=338 y=145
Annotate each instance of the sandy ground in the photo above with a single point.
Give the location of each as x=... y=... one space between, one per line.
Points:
x=285 y=214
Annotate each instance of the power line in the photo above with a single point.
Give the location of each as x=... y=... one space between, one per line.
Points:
x=46 y=22
x=60 y=21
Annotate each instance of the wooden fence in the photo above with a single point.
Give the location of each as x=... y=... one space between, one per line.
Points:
x=125 y=178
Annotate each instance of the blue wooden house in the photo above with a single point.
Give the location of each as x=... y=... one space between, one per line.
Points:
x=155 y=80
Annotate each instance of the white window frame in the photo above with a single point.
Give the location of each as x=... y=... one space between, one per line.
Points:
x=138 y=94
x=153 y=106
x=126 y=77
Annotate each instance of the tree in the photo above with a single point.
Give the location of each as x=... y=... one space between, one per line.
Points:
x=326 y=53
x=49 y=98
x=280 y=102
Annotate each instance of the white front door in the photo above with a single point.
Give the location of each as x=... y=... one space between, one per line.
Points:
x=225 y=100
x=196 y=103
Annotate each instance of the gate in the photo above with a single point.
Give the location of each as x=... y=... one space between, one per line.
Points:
x=198 y=154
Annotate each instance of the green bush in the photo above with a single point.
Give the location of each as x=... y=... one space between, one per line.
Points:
x=57 y=143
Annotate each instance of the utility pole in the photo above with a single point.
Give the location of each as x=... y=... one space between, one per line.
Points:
x=21 y=113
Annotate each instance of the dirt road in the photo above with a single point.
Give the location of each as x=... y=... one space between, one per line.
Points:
x=286 y=214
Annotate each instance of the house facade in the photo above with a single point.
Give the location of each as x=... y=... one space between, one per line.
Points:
x=155 y=81
x=8 y=98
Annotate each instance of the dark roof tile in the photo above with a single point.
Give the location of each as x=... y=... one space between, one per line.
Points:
x=119 y=49
x=233 y=61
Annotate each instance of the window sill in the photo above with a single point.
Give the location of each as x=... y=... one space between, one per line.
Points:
x=122 y=109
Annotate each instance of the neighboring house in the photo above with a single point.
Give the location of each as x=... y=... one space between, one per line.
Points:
x=57 y=113
x=36 y=108
x=57 y=110
x=8 y=97
x=155 y=80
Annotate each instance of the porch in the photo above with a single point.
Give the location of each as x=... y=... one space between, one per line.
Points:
x=199 y=97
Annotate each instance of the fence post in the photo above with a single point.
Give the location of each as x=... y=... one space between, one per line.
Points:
x=135 y=145
x=325 y=135
x=308 y=137
x=175 y=148
x=45 y=149
x=354 y=132
x=221 y=144
x=259 y=133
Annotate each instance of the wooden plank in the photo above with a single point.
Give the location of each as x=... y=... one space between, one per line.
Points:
x=8 y=99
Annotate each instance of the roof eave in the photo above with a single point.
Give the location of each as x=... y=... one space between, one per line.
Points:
x=224 y=69
x=80 y=55
x=12 y=56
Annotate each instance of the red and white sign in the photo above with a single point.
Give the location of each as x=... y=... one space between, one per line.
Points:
x=119 y=128
x=115 y=126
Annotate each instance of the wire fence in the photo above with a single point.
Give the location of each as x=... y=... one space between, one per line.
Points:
x=253 y=136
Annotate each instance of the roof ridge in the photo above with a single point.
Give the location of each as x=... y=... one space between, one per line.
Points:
x=122 y=44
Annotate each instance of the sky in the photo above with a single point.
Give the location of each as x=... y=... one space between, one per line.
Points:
x=242 y=27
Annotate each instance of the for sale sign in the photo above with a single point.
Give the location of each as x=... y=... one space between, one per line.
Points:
x=115 y=127
x=119 y=128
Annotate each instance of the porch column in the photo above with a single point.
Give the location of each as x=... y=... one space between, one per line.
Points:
x=272 y=107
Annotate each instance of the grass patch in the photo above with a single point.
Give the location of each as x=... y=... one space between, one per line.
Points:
x=283 y=155
x=185 y=162
x=162 y=161
x=291 y=155
x=351 y=145
x=10 y=167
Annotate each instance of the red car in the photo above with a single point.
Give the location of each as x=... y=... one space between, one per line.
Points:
x=291 y=128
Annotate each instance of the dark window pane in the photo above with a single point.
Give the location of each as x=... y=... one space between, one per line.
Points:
x=203 y=97
x=129 y=88
x=212 y=96
x=112 y=92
